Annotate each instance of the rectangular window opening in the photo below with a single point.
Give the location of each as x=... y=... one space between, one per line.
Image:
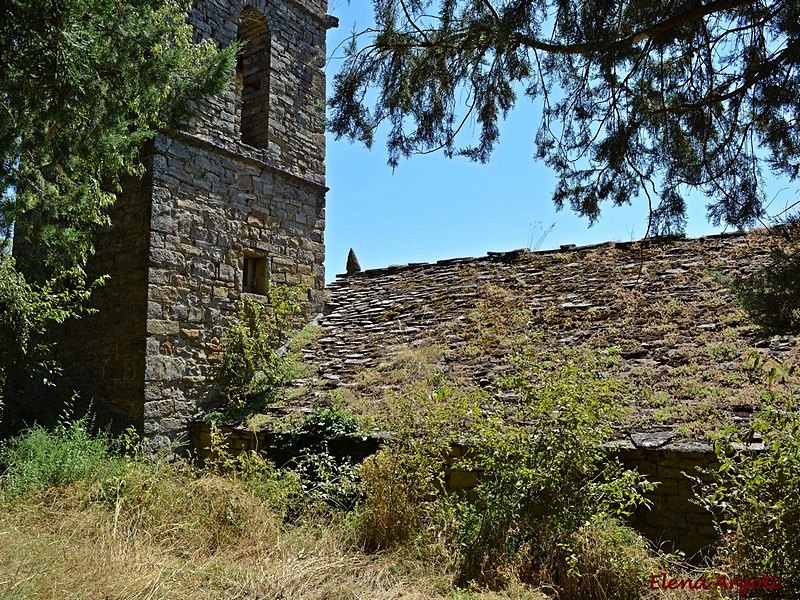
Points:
x=254 y=279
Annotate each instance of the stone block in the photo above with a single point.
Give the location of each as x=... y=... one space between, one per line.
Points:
x=156 y=410
x=699 y=518
x=227 y=273
x=162 y=327
x=191 y=334
x=155 y=310
x=680 y=503
x=665 y=519
x=178 y=312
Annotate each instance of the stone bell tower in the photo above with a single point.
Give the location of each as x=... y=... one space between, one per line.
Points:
x=232 y=203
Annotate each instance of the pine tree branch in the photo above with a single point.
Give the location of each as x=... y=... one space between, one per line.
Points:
x=612 y=45
x=648 y=32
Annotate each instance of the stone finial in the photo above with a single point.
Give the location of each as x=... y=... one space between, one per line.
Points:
x=330 y=22
x=353 y=266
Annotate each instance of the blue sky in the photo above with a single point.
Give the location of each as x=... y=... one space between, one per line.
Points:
x=432 y=208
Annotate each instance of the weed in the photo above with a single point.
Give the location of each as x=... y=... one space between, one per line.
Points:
x=253 y=370
x=735 y=379
x=420 y=361
x=341 y=396
x=305 y=337
x=722 y=351
x=663 y=415
x=330 y=421
x=133 y=527
x=669 y=308
x=326 y=474
x=296 y=392
x=256 y=422
x=395 y=485
x=403 y=481
x=660 y=399
x=607 y=559
x=40 y=459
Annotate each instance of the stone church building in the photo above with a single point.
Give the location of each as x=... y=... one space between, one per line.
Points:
x=228 y=205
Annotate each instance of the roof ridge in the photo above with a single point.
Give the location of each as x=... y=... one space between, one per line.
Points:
x=517 y=254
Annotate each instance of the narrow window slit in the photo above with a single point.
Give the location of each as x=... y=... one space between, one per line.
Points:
x=253 y=74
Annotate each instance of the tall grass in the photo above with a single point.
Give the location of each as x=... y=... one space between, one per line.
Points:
x=79 y=521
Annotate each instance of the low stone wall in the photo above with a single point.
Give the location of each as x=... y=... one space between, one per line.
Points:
x=283 y=447
x=673 y=522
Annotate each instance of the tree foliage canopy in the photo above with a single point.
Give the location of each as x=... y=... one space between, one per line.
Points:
x=83 y=84
x=641 y=98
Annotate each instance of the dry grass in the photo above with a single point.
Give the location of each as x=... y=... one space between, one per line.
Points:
x=171 y=531
x=173 y=536
x=151 y=530
x=181 y=543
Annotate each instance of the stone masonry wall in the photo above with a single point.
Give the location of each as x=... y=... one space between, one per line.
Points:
x=296 y=125
x=216 y=200
x=102 y=354
x=672 y=522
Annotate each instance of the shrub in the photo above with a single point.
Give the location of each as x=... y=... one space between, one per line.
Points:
x=254 y=369
x=399 y=483
x=39 y=459
x=754 y=494
x=328 y=477
x=26 y=312
x=607 y=559
x=544 y=481
x=402 y=481
x=771 y=296
x=278 y=488
x=388 y=516
x=545 y=473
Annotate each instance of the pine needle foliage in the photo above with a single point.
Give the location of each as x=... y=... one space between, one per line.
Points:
x=771 y=296
x=640 y=99
x=83 y=85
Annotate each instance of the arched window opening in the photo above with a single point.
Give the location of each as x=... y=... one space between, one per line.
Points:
x=252 y=70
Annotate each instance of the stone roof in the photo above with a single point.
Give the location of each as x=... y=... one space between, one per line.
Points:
x=681 y=338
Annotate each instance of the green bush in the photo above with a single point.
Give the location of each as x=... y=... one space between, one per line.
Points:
x=544 y=473
x=607 y=559
x=543 y=482
x=403 y=483
x=328 y=478
x=39 y=459
x=254 y=370
x=26 y=312
x=771 y=296
x=754 y=494
x=400 y=484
